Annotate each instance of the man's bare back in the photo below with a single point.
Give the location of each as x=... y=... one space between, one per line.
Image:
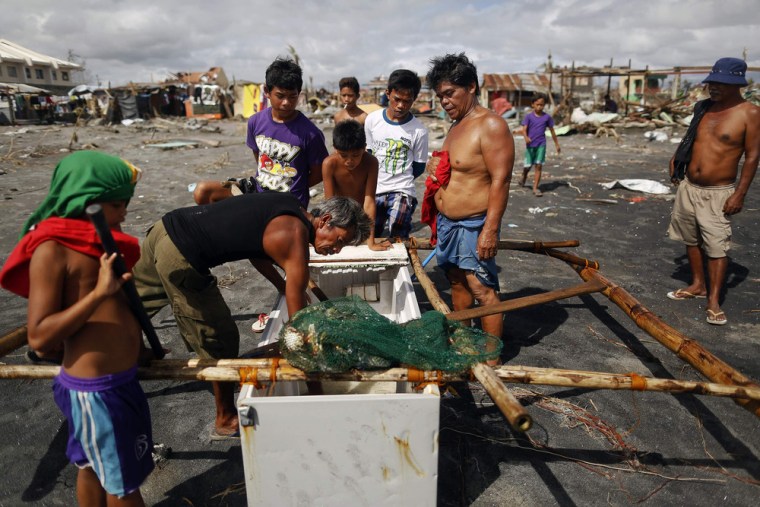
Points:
x=721 y=141
x=479 y=148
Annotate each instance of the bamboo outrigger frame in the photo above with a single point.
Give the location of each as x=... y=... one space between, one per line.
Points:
x=687 y=349
x=726 y=381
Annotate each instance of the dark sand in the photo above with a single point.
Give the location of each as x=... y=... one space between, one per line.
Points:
x=586 y=447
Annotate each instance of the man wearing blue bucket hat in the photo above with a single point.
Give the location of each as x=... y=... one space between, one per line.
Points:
x=724 y=128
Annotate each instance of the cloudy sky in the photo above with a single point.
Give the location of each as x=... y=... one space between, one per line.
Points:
x=139 y=40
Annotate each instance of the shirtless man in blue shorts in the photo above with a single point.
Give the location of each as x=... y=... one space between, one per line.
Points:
x=471 y=206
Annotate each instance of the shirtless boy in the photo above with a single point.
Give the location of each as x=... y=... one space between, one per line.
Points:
x=481 y=150
x=352 y=172
x=75 y=300
x=709 y=194
x=349 y=94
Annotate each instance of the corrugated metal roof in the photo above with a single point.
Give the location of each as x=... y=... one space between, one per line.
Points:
x=520 y=81
x=11 y=52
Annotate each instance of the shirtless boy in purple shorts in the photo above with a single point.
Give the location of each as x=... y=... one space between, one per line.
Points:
x=75 y=302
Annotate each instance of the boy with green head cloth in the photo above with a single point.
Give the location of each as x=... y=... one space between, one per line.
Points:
x=75 y=304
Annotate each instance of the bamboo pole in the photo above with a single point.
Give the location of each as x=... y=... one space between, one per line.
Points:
x=704 y=361
x=524 y=302
x=619 y=381
x=571 y=259
x=267 y=370
x=12 y=340
x=427 y=283
x=514 y=244
x=518 y=417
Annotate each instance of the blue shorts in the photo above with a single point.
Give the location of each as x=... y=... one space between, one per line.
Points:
x=396 y=209
x=458 y=246
x=109 y=428
x=535 y=155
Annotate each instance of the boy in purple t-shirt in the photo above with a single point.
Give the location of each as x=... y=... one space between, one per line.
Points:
x=287 y=146
x=533 y=129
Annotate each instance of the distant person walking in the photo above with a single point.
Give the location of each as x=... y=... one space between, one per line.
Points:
x=727 y=127
x=534 y=127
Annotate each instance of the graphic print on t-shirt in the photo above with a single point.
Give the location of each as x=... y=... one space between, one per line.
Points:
x=275 y=172
x=396 y=152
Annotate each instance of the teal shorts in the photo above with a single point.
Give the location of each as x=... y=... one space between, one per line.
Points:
x=535 y=155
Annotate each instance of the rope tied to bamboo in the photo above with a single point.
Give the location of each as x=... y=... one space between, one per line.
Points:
x=273 y=369
x=250 y=376
x=417 y=377
x=638 y=383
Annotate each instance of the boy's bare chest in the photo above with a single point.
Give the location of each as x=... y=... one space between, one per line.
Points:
x=351 y=183
x=81 y=276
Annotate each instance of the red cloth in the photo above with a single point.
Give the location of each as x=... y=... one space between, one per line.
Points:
x=75 y=233
x=500 y=105
x=429 y=210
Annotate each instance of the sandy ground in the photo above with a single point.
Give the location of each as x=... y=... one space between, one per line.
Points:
x=586 y=447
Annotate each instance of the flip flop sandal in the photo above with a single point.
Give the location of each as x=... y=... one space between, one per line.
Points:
x=713 y=318
x=261 y=323
x=680 y=295
x=220 y=437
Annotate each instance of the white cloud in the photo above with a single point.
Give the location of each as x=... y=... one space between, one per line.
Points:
x=141 y=40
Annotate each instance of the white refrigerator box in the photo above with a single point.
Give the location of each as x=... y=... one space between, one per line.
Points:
x=340 y=450
x=379 y=448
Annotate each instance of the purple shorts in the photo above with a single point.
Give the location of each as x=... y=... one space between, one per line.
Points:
x=109 y=428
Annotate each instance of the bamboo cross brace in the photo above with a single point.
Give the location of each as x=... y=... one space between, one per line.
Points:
x=704 y=361
x=524 y=302
x=266 y=370
x=518 y=417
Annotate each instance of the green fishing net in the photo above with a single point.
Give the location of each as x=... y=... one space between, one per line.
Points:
x=346 y=333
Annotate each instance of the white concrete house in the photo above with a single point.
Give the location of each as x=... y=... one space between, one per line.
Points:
x=19 y=65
